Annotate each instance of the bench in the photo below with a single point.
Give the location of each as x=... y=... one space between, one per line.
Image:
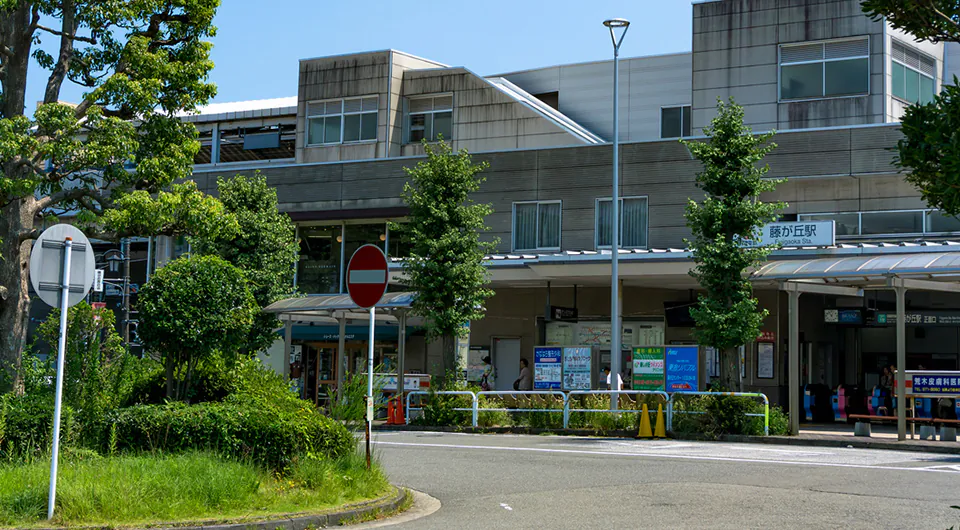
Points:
x=948 y=429
x=862 y=427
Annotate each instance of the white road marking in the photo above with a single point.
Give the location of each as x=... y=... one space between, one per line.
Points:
x=954 y=469
x=668 y=456
x=645 y=446
x=787 y=451
x=506 y=506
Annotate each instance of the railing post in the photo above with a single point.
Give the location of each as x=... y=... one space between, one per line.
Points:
x=406 y=411
x=476 y=412
x=566 y=411
x=766 y=415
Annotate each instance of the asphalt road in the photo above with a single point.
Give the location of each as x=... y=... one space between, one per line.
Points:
x=505 y=481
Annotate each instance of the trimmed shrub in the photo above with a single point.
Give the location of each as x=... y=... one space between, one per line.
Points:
x=28 y=426
x=234 y=429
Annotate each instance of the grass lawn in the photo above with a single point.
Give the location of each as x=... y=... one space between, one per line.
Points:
x=136 y=490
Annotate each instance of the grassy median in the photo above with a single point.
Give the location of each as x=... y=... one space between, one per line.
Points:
x=149 y=489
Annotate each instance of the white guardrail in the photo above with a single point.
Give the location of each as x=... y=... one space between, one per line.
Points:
x=669 y=401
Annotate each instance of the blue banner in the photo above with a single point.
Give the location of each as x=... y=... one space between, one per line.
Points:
x=682 y=368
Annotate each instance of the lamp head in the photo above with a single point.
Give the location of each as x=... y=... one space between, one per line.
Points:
x=618 y=29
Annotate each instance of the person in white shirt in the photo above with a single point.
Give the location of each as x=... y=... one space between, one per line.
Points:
x=606 y=372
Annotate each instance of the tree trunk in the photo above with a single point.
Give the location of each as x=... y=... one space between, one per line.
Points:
x=730 y=370
x=450 y=356
x=15 y=218
x=171 y=378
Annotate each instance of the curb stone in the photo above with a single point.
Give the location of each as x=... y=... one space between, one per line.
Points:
x=839 y=442
x=384 y=505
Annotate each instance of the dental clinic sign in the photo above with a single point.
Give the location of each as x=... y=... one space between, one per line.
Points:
x=799 y=234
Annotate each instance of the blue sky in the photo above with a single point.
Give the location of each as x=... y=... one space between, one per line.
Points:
x=259 y=42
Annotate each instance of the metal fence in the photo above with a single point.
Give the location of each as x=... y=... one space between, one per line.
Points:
x=668 y=399
x=766 y=406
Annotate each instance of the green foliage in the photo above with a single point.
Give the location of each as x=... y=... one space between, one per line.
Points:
x=715 y=415
x=732 y=178
x=492 y=418
x=241 y=428
x=445 y=266
x=191 y=310
x=99 y=373
x=28 y=422
x=265 y=248
x=97 y=492
x=350 y=404
x=182 y=210
x=936 y=20
x=439 y=409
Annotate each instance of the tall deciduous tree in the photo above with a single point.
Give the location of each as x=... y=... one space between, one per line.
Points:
x=265 y=248
x=730 y=215
x=445 y=266
x=930 y=148
x=192 y=309
x=141 y=62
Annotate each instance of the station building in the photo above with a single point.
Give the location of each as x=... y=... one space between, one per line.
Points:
x=830 y=80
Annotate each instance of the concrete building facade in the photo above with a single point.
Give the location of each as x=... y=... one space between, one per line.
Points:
x=833 y=81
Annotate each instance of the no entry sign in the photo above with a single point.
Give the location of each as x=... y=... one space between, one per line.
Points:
x=367 y=276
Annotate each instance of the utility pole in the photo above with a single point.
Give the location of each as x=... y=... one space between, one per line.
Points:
x=125 y=251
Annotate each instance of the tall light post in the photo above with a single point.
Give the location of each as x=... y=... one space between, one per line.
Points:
x=618 y=29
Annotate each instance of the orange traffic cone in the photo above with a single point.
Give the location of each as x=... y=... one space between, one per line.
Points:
x=398 y=412
x=391 y=413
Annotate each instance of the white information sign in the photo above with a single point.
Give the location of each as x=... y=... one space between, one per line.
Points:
x=799 y=234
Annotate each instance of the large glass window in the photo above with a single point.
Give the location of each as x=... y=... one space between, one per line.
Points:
x=363 y=234
x=342 y=121
x=913 y=75
x=847 y=224
x=825 y=69
x=318 y=271
x=939 y=222
x=536 y=225
x=633 y=222
x=399 y=241
x=675 y=122
x=888 y=223
x=875 y=223
x=429 y=118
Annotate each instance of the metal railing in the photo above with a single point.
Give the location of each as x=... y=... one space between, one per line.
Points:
x=573 y=393
x=669 y=401
x=472 y=409
x=766 y=406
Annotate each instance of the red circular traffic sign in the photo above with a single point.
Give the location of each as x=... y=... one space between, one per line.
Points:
x=367 y=276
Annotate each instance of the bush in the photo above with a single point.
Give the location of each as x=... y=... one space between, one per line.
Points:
x=28 y=427
x=492 y=418
x=716 y=415
x=242 y=429
x=439 y=409
x=779 y=422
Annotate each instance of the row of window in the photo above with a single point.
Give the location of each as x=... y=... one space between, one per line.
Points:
x=888 y=223
x=354 y=120
x=537 y=224
x=842 y=68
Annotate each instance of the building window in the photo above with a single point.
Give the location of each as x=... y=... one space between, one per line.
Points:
x=536 y=225
x=430 y=119
x=675 y=122
x=888 y=223
x=633 y=222
x=825 y=69
x=914 y=75
x=342 y=121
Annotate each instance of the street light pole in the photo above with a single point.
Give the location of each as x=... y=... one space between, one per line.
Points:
x=615 y=25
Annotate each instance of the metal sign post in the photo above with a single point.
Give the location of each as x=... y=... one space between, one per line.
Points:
x=366 y=284
x=51 y=271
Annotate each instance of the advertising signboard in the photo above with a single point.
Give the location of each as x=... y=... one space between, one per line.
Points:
x=682 y=368
x=648 y=368
x=547 y=368
x=576 y=367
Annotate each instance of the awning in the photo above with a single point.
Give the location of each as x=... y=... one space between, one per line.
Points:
x=863 y=268
x=327 y=304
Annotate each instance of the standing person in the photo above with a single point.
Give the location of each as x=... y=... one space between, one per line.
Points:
x=606 y=372
x=489 y=374
x=525 y=381
x=886 y=380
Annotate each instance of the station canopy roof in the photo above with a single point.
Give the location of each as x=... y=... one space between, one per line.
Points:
x=329 y=305
x=864 y=269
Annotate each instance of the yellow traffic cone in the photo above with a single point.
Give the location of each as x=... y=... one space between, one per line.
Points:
x=644 y=423
x=661 y=430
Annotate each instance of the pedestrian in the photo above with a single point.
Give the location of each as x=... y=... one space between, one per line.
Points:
x=487 y=380
x=886 y=380
x=525 y=381
x=606 y=372
x=946 y=410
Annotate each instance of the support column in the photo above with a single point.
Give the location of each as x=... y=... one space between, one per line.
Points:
x=341 y=355
x=287 y=346
x=215 y=144
x=793 y=372
x=401 y=351
x=901 y=292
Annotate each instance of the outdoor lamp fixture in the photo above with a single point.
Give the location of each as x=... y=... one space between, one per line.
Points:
x=618 y=29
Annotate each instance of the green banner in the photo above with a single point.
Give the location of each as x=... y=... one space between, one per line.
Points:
x=648 y=368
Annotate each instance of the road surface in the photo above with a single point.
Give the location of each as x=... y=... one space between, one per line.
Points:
x=507 y=481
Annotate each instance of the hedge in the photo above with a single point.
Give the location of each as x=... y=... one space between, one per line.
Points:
x=268 y=435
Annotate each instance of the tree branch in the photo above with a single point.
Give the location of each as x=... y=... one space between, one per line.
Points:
x=52 y=93
x=73 y=194
x=67 y=35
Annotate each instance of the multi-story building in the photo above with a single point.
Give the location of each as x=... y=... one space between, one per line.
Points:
x=830 y=80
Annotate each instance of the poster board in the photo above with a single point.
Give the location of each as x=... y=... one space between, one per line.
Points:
x=648 y=368
x=682 y=368
x=475 y=364
x=547 y=368
x=765 y=360
x=577 y=362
